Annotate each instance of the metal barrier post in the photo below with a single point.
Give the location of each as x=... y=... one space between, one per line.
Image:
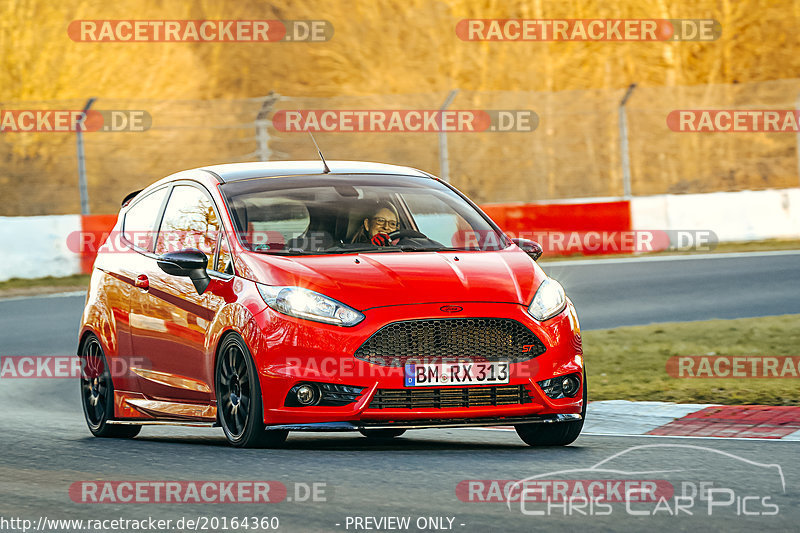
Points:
x=262 y=123
x=623 y=142
x=82 y=185
x=444 y=161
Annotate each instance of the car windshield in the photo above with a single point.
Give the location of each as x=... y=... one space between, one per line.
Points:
x=347 y=214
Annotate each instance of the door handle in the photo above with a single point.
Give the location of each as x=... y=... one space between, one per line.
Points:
x=142 y=282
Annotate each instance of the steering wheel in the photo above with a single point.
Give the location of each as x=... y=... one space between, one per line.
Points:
x=407 y=233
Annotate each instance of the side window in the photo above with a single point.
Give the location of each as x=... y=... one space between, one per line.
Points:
x=140 y=221
x=271 y=222
x=189 y=222
x=224 y=262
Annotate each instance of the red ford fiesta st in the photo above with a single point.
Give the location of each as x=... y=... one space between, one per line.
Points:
x=264 y=298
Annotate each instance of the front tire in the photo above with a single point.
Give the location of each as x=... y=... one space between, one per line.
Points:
x=97 y=393
x=555 y=434
x=240 y=409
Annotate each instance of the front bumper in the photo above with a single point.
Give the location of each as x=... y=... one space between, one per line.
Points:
x=291 y=351
x=430 y=423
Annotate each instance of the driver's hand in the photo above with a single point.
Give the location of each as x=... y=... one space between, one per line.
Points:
x=381 y=239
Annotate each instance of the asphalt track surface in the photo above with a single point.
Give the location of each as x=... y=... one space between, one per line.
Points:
x=46 y=446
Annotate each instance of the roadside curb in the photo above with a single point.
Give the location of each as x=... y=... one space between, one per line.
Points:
x=617 y=417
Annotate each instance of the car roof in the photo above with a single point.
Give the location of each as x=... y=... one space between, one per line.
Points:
x=270 y=169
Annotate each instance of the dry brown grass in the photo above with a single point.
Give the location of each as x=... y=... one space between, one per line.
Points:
x=406 y=48
x=383 y=46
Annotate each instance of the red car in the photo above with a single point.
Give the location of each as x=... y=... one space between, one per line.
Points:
x=265 y=298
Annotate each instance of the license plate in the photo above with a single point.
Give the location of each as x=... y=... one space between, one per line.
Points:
x=437 y=374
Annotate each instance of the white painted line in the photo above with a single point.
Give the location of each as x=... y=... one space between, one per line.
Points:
x=688 y=257
x=39 y=296
x=589 y=434
x=679 y=437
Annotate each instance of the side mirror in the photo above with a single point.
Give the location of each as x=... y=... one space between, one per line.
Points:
x=532 y=248
x=191 y=263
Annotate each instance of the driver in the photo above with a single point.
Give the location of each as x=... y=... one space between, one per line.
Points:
x=376 y=228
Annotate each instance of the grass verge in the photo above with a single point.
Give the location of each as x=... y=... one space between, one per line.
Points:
x=630 y=363
x=50 y=284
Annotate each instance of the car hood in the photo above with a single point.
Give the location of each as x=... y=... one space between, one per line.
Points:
x=371 y=280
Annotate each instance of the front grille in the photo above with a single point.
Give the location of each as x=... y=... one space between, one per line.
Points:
x=481 y=339
x=449 y=398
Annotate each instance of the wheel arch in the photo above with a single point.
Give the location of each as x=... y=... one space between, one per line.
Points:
x=88 y=331
x=251 y=340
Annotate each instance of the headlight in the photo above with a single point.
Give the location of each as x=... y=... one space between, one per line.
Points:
x=303 y=303
x=550 y=300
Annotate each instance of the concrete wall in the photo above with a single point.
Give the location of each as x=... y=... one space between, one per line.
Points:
x=733 y=216
x=34 y=247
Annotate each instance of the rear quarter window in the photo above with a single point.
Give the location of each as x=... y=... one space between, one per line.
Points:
x=140 y=221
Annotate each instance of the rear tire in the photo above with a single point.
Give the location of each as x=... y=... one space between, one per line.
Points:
x=381 y=434
x=554 y=434
x=240 y=409
x=97 y=393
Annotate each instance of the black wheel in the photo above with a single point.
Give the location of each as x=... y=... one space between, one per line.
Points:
x=97 y=393
x=381 y=434
x=555 y=434
x=239 y=407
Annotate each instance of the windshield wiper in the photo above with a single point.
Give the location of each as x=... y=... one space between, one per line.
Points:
x=361 y=249
x=299 y=251
x=413 y=248
x=292 y=251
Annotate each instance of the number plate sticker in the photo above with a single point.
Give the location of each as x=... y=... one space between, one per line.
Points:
x=438 y=374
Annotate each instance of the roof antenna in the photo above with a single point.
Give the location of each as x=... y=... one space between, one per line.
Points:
x=324 y=164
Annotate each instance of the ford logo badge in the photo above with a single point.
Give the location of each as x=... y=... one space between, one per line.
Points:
x=451 y=308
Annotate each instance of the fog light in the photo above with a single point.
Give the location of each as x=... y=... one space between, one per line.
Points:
x=570 y=385
x=322 y=394
x=561 y=387
x=306 y=394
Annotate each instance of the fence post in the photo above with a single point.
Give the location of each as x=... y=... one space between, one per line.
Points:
x=623 y=142
x=444 y=161
x=82 y=186
x=262 y=123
